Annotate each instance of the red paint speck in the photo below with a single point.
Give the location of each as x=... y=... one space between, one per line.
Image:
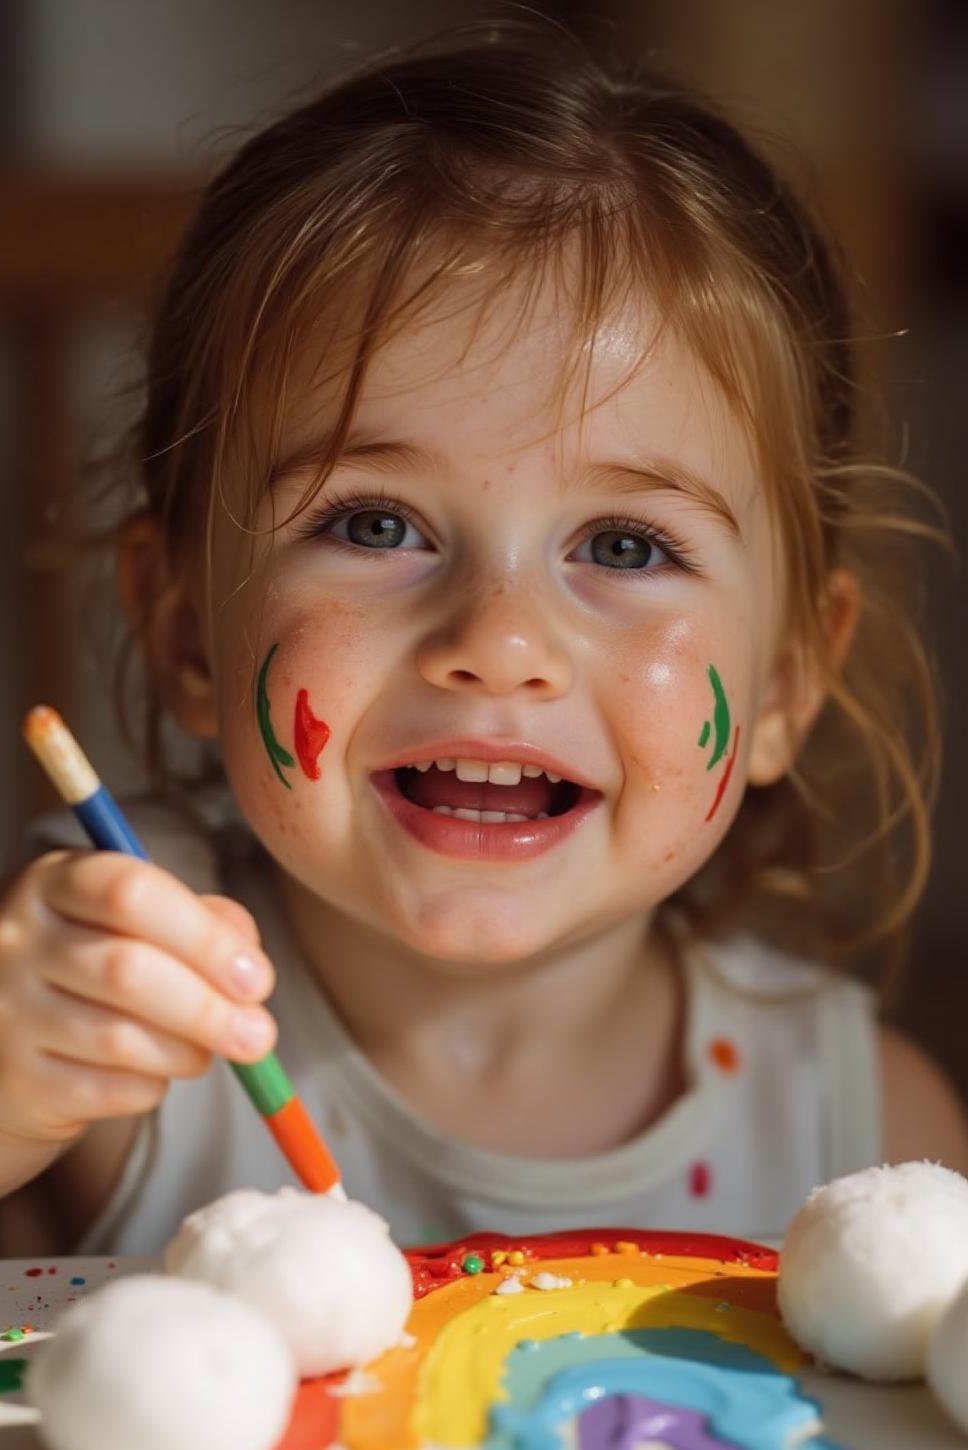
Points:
x=53 y=1270
x=725 y=1054
x=700 y=1180
x=33 y=1273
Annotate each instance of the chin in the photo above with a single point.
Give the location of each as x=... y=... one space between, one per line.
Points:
x=474 y=934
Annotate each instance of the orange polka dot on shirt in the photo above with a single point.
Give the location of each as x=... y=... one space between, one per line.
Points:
x=724 y=1053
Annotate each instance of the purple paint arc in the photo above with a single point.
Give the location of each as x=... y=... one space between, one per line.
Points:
x=623 y=1422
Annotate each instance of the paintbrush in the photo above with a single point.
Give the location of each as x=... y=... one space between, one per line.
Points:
x=265 y=1082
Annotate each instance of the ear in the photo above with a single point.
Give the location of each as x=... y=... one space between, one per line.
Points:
x=162 y=615
x=796 y=690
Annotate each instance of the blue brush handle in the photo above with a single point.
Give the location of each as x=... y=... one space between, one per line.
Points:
x=106 y=826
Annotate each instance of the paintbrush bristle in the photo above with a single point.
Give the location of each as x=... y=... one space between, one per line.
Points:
x=65 y=763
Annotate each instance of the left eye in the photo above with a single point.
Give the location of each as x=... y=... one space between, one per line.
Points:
x=623 y=549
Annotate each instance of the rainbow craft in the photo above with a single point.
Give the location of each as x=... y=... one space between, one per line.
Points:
x=265 y=1082
x=587 y=1340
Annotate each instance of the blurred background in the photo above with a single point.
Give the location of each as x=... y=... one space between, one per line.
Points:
x=113 y=113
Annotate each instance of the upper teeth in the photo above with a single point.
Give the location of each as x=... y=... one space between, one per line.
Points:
x=498 y=772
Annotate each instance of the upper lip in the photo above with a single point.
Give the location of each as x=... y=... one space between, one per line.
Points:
x=489 y=750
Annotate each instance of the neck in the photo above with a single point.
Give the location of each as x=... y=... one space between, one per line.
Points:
x=605 y=1011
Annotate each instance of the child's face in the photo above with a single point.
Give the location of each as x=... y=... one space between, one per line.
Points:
x=511 y=599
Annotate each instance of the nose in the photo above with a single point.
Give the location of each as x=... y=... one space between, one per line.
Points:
x=498 y=643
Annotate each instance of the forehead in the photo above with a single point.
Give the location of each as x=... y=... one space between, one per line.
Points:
x=497 y=374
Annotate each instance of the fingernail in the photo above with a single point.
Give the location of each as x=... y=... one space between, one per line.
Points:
x=247 y=976
x=251 y=1032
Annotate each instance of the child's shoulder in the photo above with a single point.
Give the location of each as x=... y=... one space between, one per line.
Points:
x=760 y=972
x=923 y=1115
x=920 y=1114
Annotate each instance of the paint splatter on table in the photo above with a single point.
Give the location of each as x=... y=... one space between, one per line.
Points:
x=33 y=1292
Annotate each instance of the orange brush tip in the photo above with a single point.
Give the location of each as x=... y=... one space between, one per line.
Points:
x=293 y=1130
x=40 y=721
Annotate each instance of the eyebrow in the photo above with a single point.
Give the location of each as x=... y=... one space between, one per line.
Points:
x=658 y=475
x=665 y=475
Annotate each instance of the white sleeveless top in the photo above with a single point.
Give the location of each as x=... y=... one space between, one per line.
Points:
x=780 y=1062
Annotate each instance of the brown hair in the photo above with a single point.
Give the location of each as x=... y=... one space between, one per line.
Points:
x=499 y=147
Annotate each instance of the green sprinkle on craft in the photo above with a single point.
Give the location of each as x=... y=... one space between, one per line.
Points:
x=12 y=1373
x=720 y=722
x=472 y=1264
x=12 y=1335
x=278 y=755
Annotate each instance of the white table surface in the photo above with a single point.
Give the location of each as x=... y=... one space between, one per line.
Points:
x=857 y=1416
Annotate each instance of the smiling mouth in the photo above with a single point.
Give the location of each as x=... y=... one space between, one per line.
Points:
x=533 y=797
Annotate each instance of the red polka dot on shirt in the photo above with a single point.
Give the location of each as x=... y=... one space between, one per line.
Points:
x=700 y=1180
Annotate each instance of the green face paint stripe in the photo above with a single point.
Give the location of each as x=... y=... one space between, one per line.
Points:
x=703 y=734
x=278 y=755
x=720 y=718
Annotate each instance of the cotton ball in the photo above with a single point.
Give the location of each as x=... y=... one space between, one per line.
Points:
x=161 y=1364
x=870 y=1262
x=947 y=1363
x=325 y=1272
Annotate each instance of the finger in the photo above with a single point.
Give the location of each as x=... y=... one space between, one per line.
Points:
x=120 y=894
x=235 y=914
x=138 y=980
x=74 y=1096
x=85 y=1032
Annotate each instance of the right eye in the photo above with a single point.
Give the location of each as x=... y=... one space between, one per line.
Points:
x=364 y=524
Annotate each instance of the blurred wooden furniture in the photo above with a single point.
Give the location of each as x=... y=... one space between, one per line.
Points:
x=70 y=243
x=830 y=92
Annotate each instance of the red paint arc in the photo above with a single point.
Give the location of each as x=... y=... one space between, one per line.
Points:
x=309 y=736
x=724 y=782
x=443 y=1263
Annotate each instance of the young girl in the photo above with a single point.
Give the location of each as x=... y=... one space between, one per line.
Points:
x=502 y=522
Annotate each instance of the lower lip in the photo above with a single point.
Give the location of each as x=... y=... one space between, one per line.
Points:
x=482 y=840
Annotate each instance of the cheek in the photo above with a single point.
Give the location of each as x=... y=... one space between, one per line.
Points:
x=288 y=702
x=679 y=704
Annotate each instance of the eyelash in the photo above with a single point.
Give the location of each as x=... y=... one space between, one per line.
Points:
x=342 y=505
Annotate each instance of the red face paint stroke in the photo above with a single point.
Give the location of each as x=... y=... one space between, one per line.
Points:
x=724 y=782
x=309 y=736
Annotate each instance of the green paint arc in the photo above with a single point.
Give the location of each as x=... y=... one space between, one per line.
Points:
x=721 y=722
x=278 y=755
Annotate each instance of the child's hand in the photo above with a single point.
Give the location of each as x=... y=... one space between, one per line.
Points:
x=114 y=979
